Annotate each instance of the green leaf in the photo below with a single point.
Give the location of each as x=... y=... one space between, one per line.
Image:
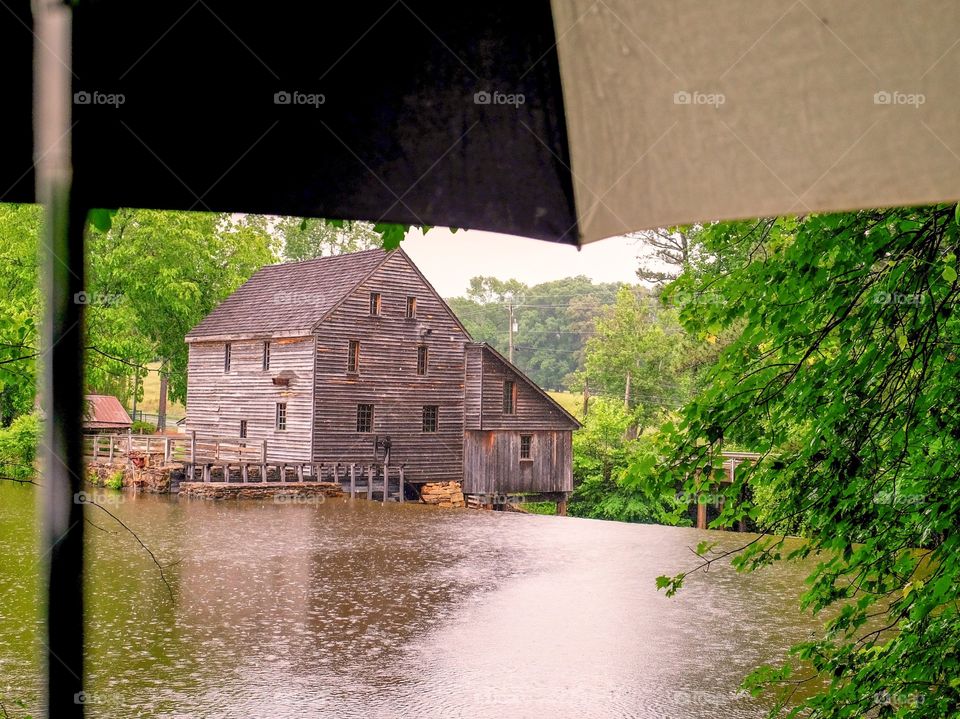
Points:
x=949 y=274
x=392 y=234
x=101 y=219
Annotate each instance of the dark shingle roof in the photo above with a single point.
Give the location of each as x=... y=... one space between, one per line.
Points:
x=289 y=298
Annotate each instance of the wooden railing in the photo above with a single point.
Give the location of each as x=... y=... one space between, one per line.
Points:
x=237 y=456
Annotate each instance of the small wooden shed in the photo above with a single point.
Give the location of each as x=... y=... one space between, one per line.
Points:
x=104 y=413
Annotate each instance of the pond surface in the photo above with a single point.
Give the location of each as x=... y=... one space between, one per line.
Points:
x=356 y=609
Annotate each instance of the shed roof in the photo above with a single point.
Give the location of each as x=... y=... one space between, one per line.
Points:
x=288 y=299
x=105 y=411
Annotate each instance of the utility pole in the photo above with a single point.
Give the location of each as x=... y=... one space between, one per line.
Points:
x=162 y=402
x=136 y=386
x=511 y=333
x=586 y=397
x=626 y=393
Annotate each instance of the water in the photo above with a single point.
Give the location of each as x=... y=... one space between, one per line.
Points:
x=356 y=609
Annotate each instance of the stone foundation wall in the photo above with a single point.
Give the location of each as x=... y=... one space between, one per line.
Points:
x=443 y=494
x=285 y=491
x=152 y=477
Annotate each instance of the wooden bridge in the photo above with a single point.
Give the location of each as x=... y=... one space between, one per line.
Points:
x=731 y=460
x=240 y=459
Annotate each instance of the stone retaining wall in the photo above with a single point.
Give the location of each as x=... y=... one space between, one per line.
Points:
x=301 y=491
x=443 y=494
x=153 y=478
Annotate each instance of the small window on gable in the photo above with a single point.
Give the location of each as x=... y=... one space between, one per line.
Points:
x=226 y=357
x=430 y=415
x=509 y=397
x=266 y=354
x=374 y=304
x=243 y=429
x=353 y=356
x=422 y=359
x=364 y=417
x=281 y=415
x=411 y=307
x=526 y=443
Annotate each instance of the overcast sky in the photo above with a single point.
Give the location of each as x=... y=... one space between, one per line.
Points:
x=450 y=259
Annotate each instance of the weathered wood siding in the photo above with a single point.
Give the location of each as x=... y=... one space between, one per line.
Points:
x=217 y=401
x=492 y=463
x=484 y=397
x=388 y=379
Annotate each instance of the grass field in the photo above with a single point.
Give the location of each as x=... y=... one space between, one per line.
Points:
x=570 y=401
x=151 y=396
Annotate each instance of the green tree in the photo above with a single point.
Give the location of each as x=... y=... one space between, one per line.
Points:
x=19 y=308
x=843 y=374
x=640 y=342
x=553 y=322
x=603 y=487
x=305 y=239
x=155 y=275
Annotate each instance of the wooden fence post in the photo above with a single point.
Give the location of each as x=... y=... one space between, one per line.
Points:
x=96 y=446
x=353 y=481
x=370 y=481
x=263 y=461
x=401 y=484
x=111 y=448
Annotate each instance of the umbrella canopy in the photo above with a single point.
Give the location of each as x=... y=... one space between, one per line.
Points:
x=569 y=121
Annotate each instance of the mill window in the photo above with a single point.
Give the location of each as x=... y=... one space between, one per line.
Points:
x=364 y=417
x=430 y=412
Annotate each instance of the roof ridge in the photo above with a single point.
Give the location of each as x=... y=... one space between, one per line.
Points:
x=323 y=258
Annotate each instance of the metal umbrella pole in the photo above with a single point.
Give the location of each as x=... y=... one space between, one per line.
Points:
x=62 y=380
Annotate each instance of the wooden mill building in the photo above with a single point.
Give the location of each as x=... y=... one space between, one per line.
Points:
x=356 y=359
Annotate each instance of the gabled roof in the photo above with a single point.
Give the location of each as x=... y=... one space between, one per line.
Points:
x=288 y=299
x=539 y=390
x=105 y=411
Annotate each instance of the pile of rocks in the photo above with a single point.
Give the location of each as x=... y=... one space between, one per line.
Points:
x=443 y=494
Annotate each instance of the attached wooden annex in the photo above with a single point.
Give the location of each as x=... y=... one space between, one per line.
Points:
x=355 y=359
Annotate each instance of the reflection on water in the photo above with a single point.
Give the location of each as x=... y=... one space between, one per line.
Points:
x=356 y=609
